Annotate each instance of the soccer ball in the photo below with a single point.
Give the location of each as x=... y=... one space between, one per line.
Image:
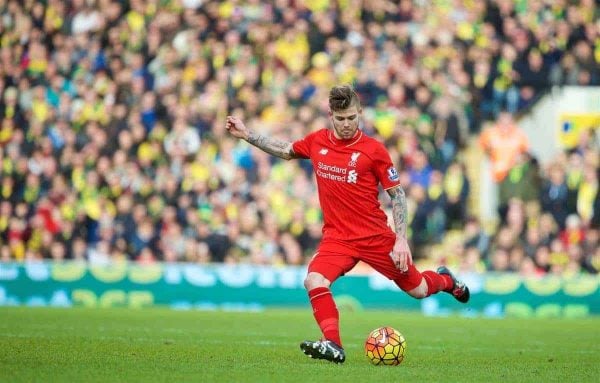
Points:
x=385 y=345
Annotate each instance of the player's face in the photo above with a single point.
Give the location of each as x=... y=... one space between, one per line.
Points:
x=345 y=122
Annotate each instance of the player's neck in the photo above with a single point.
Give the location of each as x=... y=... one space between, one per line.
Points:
x=342 y=141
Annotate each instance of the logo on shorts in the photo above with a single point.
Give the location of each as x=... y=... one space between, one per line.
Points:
x=393 y=174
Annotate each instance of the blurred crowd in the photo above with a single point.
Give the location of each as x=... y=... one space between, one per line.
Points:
x=549 y=213
x=112 y=139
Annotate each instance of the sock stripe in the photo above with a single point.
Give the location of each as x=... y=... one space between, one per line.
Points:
x=320 y=295
x=329 y=324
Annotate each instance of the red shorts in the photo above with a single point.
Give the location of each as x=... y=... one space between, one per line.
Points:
x=335 y=258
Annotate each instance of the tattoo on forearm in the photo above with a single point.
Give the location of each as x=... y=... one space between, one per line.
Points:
x=399 y=210
x=281 y=149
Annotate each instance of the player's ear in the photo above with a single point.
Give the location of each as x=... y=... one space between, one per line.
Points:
x=330 y=112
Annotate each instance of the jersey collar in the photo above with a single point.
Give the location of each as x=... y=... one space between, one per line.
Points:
x=337 y=142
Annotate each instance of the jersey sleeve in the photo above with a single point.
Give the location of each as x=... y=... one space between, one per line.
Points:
x=384 y=168
x=302 y=147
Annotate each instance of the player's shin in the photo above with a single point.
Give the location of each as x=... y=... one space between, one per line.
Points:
x=326 y=313
x=437 y=282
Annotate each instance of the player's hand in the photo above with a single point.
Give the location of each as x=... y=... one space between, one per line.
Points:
x=236 y=127
x=401 y=254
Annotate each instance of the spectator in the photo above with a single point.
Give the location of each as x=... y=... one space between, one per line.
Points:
x=516 y=258
x=532 y=77
x=516 y=218
x=500 y=260
x=554 y=195
x=476 y=237
x=503 y=142
x=448 y=135
x=421 y=171
x=456 y=190
x=588 y=193
x=541 y=259
x=420 y=213
x=472 y=261
x=591 y=263
x=522 y=182
x=573 y=233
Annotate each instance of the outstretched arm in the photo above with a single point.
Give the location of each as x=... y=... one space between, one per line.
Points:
x=401 y=254
x=279 y=148
x=273 y=146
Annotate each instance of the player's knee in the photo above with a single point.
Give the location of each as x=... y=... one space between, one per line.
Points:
x=417 y=293
x=420 y=291
x=314 y=280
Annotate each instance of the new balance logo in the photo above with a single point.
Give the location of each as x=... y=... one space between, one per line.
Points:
x=323 y=151
x=352 y=176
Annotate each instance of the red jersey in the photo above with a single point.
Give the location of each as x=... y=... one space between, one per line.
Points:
x=348 y=174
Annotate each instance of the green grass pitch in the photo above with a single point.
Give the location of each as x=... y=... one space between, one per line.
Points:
x=161 y=345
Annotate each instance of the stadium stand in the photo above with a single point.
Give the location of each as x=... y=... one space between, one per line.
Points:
x=112 y=142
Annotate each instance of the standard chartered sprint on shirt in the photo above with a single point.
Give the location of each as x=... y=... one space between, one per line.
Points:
x=335 y=173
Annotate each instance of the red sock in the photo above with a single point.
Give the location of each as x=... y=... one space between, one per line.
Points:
x=326 y=313
x=437 y=282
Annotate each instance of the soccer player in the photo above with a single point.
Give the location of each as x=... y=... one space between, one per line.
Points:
x=349 y=166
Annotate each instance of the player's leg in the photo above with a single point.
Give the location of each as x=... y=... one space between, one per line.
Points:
x=323 y=270
x=324 y=308
x=415 y=283
x=325 y=312
x=423 y=284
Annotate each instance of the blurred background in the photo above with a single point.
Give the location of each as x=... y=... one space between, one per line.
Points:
x=113 y=147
